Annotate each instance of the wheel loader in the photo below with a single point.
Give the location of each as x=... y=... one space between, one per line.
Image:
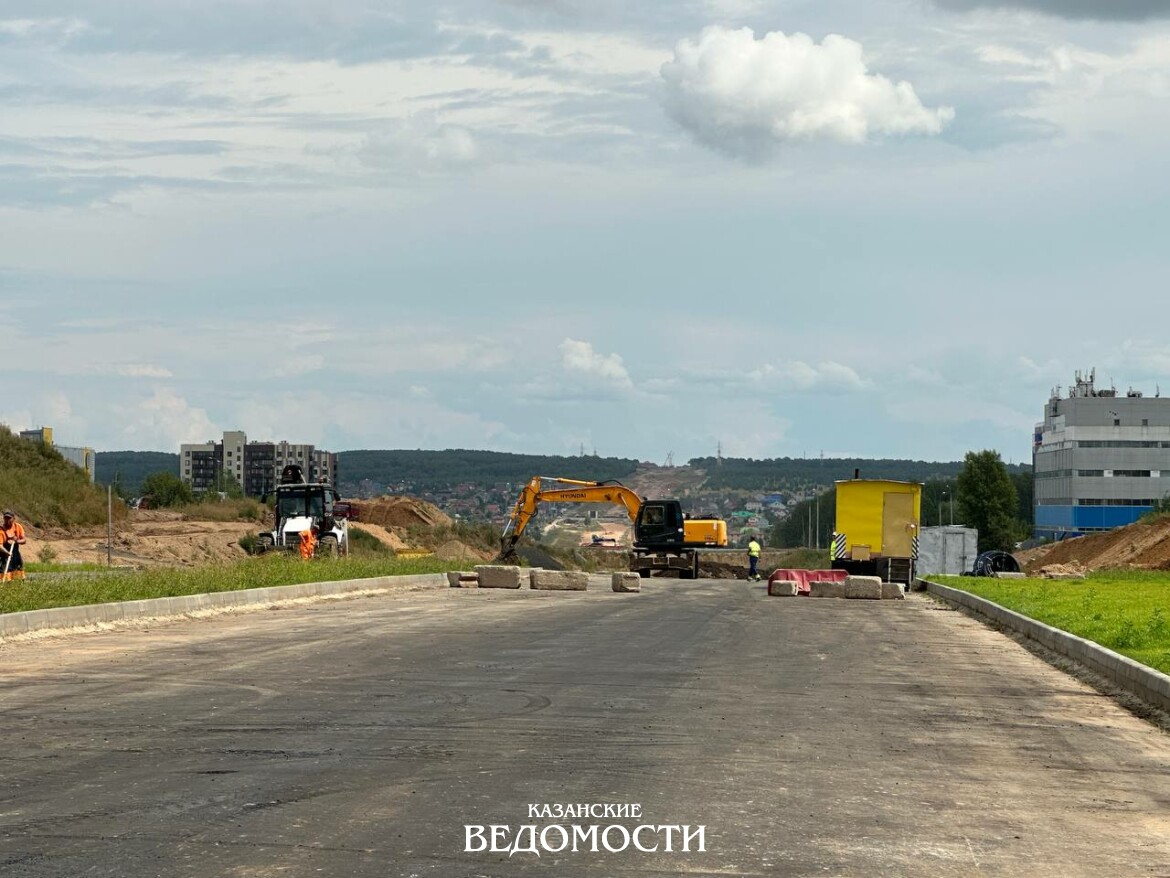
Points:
x=302 y=506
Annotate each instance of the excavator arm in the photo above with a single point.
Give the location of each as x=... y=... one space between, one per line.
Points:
x=535 y=493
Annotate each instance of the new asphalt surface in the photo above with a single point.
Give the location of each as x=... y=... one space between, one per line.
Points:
x=361 y=737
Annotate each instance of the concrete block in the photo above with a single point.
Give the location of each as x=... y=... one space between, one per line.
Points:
x=892 y=591
x=1005 y=574
x=821 y=589
x=498 y=576
x=783 y=588
x=558 y=580
x=462 y=579
x=627 y=582
x=864 y=588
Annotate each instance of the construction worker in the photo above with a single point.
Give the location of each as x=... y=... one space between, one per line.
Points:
x=308 y=543
x=753 y=559
x=13 y=564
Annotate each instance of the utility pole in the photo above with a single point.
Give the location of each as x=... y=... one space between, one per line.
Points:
x=109 y=525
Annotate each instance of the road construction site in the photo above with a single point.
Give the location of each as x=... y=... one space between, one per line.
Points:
x=362 y=737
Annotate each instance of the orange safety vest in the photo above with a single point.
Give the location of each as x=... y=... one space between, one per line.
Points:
x=308 y=544
x=13 y=534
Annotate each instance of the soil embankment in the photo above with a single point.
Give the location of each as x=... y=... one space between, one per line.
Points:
x=1141 y=546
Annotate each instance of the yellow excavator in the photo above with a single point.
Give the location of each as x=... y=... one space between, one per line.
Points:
x=664 y=538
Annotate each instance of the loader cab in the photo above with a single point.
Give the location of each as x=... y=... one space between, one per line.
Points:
x=659 y=523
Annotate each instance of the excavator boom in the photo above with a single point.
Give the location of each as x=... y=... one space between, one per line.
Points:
x=535 y=493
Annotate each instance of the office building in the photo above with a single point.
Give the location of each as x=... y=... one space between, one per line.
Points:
x=1100 y=460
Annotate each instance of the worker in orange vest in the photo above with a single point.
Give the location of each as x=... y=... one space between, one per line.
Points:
x=11 y=563
x=308 y=543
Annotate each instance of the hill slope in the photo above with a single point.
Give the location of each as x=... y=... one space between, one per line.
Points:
x=44 y=489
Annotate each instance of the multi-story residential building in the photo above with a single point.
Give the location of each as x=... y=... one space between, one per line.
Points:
x=1100 y=460
x=82 y=457
x=255 y=466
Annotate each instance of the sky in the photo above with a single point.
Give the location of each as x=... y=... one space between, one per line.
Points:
x=876 y=228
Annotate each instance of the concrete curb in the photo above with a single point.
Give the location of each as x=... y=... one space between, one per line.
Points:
x=12 y=624
x=1151 y=686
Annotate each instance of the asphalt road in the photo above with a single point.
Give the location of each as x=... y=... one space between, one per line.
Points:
x=808 y=737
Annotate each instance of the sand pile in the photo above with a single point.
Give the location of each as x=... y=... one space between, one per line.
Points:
x=401 y=512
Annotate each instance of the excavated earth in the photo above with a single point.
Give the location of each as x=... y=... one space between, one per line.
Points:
x=1141 y=546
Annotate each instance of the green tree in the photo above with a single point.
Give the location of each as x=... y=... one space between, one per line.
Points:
x=167 y=489
x=988 y=500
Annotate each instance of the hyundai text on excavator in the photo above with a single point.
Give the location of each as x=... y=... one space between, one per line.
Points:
x=664 y=538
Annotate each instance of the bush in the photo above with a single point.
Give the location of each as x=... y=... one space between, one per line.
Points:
x=167 y=489
x=250 y=543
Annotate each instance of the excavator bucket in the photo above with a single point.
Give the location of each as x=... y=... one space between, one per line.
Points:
x=507 y=551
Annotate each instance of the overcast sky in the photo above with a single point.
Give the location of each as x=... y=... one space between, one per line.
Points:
x=859 y=227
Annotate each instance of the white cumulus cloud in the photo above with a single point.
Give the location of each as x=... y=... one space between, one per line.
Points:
x=580 y=358
x=797 y=375
x=746 y=96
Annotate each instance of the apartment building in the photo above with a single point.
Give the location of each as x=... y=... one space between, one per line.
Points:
x=1100 y=459
x=255 y=466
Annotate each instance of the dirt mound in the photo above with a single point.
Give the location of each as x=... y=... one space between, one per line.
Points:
x=1141 y=546
x=388 y=537
x=401 y=512
x=453 y=550
x=146 y=544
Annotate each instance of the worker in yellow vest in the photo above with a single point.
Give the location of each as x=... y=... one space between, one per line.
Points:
x=753 y=559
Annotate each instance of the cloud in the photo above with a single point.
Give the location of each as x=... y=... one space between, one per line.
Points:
x=578 y=357
x=747 y=97
x=422 y=143
x=800 y=376
x=164 y=420
x=1104 y=10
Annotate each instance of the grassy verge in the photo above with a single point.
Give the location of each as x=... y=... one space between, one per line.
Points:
x=1125 y=610
x=269 y=570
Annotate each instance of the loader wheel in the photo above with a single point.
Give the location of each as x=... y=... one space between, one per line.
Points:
x=264 y=544
x=645 y=573
x=327 y=547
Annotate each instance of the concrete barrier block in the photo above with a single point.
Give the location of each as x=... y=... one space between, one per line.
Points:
x=821 y=589
x=1007 y=574
x=558 y=580
x=864 y=588
x=892 y=591
x=462 y=579
x=627 y=582
x=498 y=576
x=783 y=588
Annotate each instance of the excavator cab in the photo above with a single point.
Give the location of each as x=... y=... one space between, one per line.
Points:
x=659 y=524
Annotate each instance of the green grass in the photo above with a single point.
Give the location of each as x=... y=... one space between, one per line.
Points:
x=45 y=490
x=61 y=567
x=1127 y=611
x=261 y=572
